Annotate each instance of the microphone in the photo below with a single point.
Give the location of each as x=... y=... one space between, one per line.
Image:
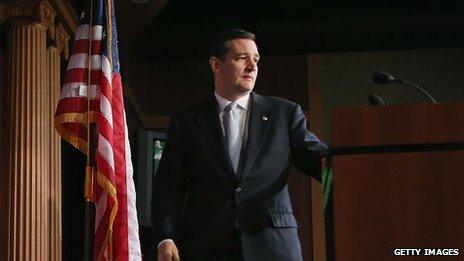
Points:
x=384 y=78
x=376 y=100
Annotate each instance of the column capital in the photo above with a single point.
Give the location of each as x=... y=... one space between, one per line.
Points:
x=36 y=12
x=59 y=42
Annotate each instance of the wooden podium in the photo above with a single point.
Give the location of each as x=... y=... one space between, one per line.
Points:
x=398 y=180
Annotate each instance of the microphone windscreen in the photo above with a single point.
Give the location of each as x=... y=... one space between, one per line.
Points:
x=376 y=100
x=382 y=77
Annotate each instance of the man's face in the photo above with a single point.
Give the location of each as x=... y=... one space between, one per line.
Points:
x=237 y=72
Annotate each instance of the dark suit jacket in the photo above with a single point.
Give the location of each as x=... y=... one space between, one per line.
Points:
x=197 y=197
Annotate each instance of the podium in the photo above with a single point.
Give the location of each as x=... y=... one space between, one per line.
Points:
x=398 y=180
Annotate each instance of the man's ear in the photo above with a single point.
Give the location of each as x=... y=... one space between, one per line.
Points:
x=215 y=64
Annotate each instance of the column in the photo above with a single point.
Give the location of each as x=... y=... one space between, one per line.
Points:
x=57 y=47
x=28 y=172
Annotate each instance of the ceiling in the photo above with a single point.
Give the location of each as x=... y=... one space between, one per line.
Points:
x=183 y=28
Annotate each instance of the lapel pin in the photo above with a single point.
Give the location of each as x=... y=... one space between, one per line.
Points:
x=265 y=118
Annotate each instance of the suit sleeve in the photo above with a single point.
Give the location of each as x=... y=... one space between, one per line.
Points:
x=307 y=149
x=168 y=189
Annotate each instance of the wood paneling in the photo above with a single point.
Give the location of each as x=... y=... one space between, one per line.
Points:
x=407 y=196
x=315 y=120
x=397 y=200
x=398 y=124
x=300 y=194
x=3 y=151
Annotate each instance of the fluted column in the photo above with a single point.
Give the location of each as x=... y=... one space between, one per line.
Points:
x=53 y=60
x=29 y=133
x=28 y=155
x=54 y=51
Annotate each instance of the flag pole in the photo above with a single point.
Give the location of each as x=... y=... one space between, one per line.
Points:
x=91 y=163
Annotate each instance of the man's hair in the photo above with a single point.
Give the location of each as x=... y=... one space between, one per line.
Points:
x=219 y=44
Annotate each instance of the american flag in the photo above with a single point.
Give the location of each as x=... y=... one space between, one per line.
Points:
x=93 y=73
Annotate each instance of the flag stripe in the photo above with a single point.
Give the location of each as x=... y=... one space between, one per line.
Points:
x=105 y=107
x=105 y=149
x=133 y=238
x=79 y=89
x=100 y=211
x=80 y=60
x=82 y=32
x=82 y=46
x=76 y=105
x=81 y=74
x=120 y=146
x=106 y=67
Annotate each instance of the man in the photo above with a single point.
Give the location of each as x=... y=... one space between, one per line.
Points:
x=221 y=190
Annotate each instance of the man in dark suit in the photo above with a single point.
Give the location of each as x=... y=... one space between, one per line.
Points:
x=221 y=189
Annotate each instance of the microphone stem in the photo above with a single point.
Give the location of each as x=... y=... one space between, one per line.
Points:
x=419 y=88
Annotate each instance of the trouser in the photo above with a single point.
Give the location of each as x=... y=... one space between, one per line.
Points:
x=227 y=250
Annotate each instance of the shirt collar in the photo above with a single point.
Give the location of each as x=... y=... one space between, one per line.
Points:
x=223 y=102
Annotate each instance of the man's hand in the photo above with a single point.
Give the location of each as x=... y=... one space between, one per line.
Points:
x=167 y=251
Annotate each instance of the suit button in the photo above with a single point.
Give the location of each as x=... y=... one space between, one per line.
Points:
x=238 y=189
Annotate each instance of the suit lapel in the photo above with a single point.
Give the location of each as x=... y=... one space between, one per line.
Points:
x=258 y=125
x=211 y=127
